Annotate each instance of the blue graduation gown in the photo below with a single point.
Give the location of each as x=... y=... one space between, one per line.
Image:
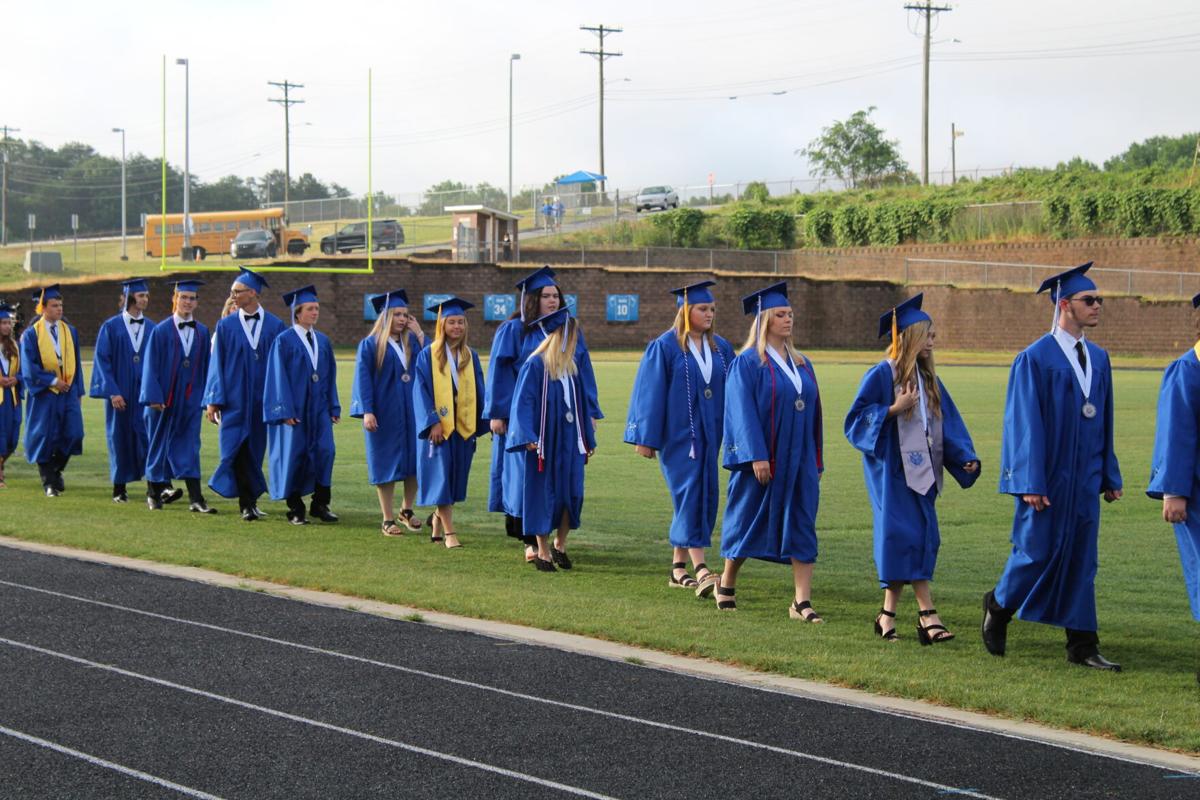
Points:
x=10 y=416
x=687 y=438
x=511 y=346
x=177 y=381
x=388 y=394
x=1175 y=468
x=558 y=485
x=1049 y=448
x=776 y=522
x=442 y=470
x=53 y=422
x=117 y=370
x=906 y=526
x=301 y=455
x=236 y=376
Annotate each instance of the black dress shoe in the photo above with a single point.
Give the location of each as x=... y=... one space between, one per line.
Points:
x=121 y=498
x=169 y=496
x=995 y=628
x=1094 y=661
x=201 y=507
x=248 y=515
x=322 y=513
x=153 y=503
x=297 y=518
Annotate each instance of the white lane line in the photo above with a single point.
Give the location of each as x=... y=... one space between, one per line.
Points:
x=100 y=762
x=518 y=695
x=316 y=723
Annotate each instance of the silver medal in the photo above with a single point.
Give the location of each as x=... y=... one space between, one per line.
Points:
x=1089 y=410
x=405 y=377
x=256 y=355
x=799 y=403
x=707 y=393
x=315 y=377
x=187 y=363
x=136 y=358
x=570 y=417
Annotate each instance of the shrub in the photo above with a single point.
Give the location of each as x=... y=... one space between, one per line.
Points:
x=818 y=227
x=757 y=191
x=850 y=227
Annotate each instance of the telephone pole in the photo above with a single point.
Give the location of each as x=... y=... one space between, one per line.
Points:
x=927 y=10
x=287 y=102
x=4 y=184
x=601 y=55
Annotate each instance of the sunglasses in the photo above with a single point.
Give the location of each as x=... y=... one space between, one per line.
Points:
x=1091 y=300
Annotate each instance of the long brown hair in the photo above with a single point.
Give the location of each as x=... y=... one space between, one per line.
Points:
x=9 y=343
x=533 y=301
x=911 y=358
x=681 y=330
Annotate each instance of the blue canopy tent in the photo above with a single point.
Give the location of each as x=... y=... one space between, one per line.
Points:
x=581 y=176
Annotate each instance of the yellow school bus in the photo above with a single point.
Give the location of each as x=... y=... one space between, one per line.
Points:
x=214 y=231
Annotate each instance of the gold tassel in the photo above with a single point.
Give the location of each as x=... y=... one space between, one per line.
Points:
x=41 y=304
x=895 y=349
x=687 y=315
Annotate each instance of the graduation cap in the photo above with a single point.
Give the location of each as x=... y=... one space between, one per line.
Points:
x=690 y=295
x=251 y=280
x=539 y=278
x=1065 y=284
x=296 y=297
x=1196 y=301
x=189 y=285
x=897 y=319
x=393 y=299
x=774 y=296
x=451 y=307
x=6 y=311
x=554 y=320
x=40 y=297
x=133 y=286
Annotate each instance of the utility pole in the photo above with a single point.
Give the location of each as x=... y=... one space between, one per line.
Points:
x=601 y=55
x=954 y=134
x=4 y=184
x=287 y=102
x=927 y=10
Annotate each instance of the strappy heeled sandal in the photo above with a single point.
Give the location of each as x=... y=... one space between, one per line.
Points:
x=707 y=582
x=796 y=611
x=931 y=634
x=686 y=582
x=390 y=528
x=408 y=519
x=726 y=605
x=891 y=635
x=432 y=536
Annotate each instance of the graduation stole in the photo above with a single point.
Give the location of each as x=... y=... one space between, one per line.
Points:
x=1196 y=350
x=14 y=367
x=65 y=367
x=463 y=418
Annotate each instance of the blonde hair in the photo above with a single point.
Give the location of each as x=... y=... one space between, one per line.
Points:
x=227 y=309
x=438 y=347
x=382 y=331
x=681 y=330
x=910 y=359
x=756 y=339
x=560 y=360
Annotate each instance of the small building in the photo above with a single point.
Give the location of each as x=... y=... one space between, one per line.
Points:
x=483 y=234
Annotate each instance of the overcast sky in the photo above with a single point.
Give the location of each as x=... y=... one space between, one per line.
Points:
x=1031 y=82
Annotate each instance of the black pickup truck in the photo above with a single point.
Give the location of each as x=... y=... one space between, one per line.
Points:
x=386 y=234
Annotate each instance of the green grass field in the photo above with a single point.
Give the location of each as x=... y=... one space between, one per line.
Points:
x=618 y=590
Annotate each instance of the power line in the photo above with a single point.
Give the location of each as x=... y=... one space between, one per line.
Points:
x=928 y=11
x=287 y=103
x=601 y=56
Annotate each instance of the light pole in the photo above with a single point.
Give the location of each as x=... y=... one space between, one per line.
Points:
x=187 y=178
x=511 y=59
x=124 y=256
x=954 y=134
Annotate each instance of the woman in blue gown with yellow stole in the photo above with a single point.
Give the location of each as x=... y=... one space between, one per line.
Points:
x=773 y=451
x=1175 y=465
x=448 y=416
x=383 y=399
x=11 y=392
x=550 y=428
x=676 y=411
x=908 y=428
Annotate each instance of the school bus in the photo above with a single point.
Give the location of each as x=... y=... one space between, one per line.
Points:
x=213 y=231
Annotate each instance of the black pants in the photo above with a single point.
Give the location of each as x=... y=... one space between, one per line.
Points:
x=1080 y=644
x=51 y=470
x=243 y=470
x=321 y=497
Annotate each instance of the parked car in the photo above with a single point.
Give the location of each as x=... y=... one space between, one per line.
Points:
x=663 y=197
x=253 y=244
x=386 y=234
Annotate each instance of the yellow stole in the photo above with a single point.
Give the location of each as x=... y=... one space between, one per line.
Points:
x=463 y=418
x=1196 y=350
x=14 y=368
x=46 y=350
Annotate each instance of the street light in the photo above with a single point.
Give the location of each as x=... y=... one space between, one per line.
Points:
x=511 y=59
x=954 y=134
x=187 y=178
x=124 y=256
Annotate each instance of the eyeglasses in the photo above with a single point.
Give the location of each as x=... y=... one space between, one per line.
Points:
x=236 y=292
x=1090 y=300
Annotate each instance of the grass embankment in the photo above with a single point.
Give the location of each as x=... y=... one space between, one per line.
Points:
x=618 y=590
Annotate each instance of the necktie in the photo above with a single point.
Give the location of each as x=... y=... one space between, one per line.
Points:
x=137 y=321
x=54 y=331
x=1079 y=351
x=311 y=345
x=191 y=323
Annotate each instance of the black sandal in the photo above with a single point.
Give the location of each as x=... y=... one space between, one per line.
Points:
x=390 y=528
x=796 y=611
x=543 y=566
x=432 y=536
x=891 y=635
x=726 y=605
x=931 y=634
x=707 y=582
x=560 y=558
x=408 y=519
x=686 y=582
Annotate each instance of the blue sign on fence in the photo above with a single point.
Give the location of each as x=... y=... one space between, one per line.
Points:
x=622 y=308
x=433 y=300
x=498 y=307
x=572 y=300
x=369 y=314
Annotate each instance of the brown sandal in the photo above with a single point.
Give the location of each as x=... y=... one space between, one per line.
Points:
x=409 y=520
x=390 y=528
